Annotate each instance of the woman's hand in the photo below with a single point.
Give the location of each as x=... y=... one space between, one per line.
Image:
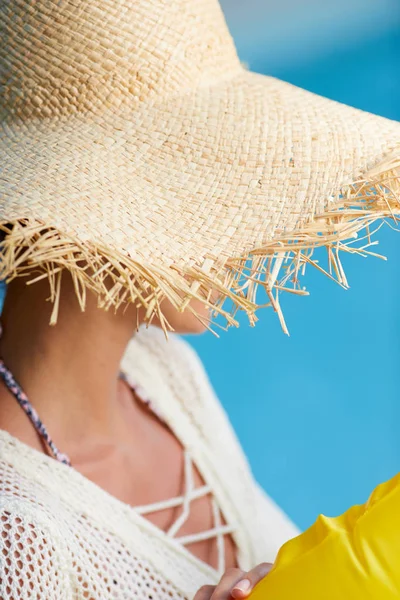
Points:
x=234 y=583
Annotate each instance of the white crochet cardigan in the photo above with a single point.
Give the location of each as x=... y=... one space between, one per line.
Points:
x=63 y=537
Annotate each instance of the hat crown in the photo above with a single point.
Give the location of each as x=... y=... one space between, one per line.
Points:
x=64 y=56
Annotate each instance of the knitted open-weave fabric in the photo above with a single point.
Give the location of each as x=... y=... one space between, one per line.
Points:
x=63 y=537
x=137 y=152
x=188 y=492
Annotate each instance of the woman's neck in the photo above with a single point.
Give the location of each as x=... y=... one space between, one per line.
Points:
x=69 y=371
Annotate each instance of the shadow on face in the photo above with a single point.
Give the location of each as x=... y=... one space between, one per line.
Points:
x=32 y=299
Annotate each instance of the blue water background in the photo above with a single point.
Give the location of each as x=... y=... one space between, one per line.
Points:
x=318 y=413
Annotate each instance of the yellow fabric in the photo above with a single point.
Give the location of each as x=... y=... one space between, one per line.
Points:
x=356 y=555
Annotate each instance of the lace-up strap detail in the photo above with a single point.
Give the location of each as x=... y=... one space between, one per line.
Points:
x=191 y=493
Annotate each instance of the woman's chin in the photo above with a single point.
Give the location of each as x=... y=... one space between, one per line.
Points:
x=191 y=326
x=186 y=322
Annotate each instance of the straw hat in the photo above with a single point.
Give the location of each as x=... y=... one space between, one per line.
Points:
x=138 y=153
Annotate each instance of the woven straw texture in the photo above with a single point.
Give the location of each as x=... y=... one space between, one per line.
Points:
x=138 y=153
x=64 y=538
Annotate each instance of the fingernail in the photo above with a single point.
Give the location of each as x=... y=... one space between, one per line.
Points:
x=241 y=588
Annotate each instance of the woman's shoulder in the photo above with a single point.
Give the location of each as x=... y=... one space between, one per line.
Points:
x=174 y=359
x=176 y=363
x=151 y=355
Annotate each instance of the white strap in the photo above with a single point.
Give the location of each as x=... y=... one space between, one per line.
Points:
x=191 y=493
x=205 y=535
x=173 y=502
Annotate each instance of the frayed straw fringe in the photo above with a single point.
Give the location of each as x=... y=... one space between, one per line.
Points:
x=116 y=279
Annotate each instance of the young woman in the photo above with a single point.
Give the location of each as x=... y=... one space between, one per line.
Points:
x=148 y=181
x=137 y=487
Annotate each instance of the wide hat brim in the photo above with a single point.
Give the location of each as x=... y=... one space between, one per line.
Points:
x=207 y=194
